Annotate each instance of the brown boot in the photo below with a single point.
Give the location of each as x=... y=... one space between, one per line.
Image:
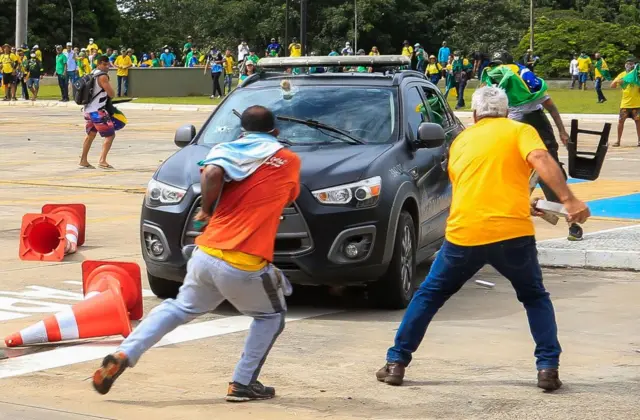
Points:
x=548 y=379
x=391 y=373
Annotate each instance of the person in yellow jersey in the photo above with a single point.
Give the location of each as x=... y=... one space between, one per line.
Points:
x=490 y=223
x=9 y=63
x=433 y=70
x=407 y=49
x=123 y=63
x=228 y=64
x=93 y=45
x=295 y=48
x=84 y=65
x=374 y=51
x=584 y=67
x=38 y=53
x=630 y=103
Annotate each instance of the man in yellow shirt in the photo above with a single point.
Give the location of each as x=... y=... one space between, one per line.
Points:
x=123 y=63
x=630 y=104
x=9 y=63
x=295 y=48
x=433 y=70
x=92 y=45
x=38 y=52
x=584 y=66
x=228 y=64
x=490 y=223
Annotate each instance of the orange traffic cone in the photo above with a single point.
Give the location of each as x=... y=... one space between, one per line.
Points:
x=52 y=234
x=101 y=315
x=97 y=276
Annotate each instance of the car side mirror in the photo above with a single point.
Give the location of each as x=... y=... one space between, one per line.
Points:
x=184 y=135
x=430 y=135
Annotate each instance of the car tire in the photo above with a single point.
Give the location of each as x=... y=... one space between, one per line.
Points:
x=395 y=289
x=163 y=288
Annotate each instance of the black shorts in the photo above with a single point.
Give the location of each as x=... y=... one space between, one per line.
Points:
x=8 y=78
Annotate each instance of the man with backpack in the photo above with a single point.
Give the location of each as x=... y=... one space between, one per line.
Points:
x=94 y=92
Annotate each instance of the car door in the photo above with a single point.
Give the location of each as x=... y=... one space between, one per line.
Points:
x=421 y=164
x=438 y=187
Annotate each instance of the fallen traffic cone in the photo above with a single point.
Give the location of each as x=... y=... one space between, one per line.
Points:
x=99 y=316
x=52 y=234
x=97 y=276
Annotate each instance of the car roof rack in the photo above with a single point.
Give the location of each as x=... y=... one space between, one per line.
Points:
x=334 y=61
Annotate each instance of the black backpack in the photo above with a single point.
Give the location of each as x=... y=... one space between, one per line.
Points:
x=83 y=88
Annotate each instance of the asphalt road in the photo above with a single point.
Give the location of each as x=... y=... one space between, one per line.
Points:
x=476 y=361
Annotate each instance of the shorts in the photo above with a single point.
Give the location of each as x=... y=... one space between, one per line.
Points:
x=33 y=83
x=583 y=77
x=633 y=113
x=8 y=78
x=99 y=121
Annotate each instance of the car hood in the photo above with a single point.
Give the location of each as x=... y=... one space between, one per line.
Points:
x=321 y=165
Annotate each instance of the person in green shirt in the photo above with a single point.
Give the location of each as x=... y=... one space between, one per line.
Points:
x=186 y=49
x=253 y=57
x=155 y=62
x=61 y=72
x=134 y=59
x=420 y=57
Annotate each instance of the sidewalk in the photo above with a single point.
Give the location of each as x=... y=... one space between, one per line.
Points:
x=617 y=248
x=210 y=108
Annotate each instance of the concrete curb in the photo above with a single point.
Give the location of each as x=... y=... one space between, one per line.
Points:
x=565 y=117
x=588 y=258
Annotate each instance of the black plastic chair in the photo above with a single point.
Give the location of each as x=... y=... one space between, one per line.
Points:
x=587 y=165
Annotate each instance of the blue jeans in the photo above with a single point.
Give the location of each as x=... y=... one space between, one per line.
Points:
x=72 y=76
x=461 y=85
x=598 y=86
x=434 y=78
x=517 y=260
x=228 y=80
x=420 y=66
x=63 y=83
x=582 y=77
x=123 y=80
x=209 y=281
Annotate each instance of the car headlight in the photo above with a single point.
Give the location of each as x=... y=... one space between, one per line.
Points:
x=159 y=194
x=363 y=193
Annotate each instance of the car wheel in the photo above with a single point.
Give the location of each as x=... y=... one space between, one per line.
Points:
x=395 y=289
x=163 y=288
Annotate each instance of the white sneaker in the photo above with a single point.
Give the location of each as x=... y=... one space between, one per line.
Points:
x=211 y=97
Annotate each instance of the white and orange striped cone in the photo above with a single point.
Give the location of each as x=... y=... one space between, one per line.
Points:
x=102 y=315
x=54 y=233
x=97 y=276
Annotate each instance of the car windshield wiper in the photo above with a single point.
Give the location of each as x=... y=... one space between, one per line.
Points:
x=321 y=126
x=281 y=140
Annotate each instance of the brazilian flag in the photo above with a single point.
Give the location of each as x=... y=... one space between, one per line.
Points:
x=510 y=78
x=631 y=78
x=603 y=68
x=119 y=120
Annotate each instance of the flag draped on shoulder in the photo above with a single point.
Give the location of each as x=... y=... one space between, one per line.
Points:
x=631 y=78
x=520 y=84
x=603 y=69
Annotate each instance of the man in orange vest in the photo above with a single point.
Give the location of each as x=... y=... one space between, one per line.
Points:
x=234 y=254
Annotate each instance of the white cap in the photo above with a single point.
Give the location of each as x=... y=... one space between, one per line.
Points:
x=347 y=43
x=250 y=63
x=35 y=47
x=90 y=39
x=69 y=43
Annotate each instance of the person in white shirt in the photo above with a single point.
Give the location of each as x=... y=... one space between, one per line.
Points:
x=243 y=51
x=347 y=50
x=573 y=71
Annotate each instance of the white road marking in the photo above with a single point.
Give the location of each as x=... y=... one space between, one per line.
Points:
x=6 y=316
x=145 y=292
x=66 y=356
x=30 y=306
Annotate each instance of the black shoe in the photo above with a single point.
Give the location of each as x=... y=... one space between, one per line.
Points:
x=112 y=367
x=255 y=391
x=549 y=380
x=575 y=233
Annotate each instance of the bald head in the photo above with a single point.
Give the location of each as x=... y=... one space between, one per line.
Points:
x=258 y=119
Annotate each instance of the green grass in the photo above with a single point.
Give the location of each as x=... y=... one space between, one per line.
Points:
x=568 y=101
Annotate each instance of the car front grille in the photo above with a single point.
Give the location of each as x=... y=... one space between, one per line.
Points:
x=293 y=235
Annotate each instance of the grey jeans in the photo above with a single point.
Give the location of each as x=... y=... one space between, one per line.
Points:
x=209 y=281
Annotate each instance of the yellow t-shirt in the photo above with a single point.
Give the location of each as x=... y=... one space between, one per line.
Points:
x=237 y=259
x=597 y=72
x=374 y=53
x=295 y=50
x=92 y=46
x=228 y=65
x=630 y=94
x=433 y=68
x=124 y=61
x=407 y=51
x=39 y=55
x=584 y=64
x=490 y=179
x=84 y=67
x=8 y=62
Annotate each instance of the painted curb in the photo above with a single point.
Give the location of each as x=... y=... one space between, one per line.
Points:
x=580 y=258
x=124 y=106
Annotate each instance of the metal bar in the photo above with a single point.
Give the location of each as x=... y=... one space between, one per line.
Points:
x=285 y=46
x=21 y=22
x=303 y=26
x=355 y=25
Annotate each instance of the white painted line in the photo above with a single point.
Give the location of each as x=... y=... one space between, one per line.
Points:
x=74 y=282
x=6 y=316
x=66 y=356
